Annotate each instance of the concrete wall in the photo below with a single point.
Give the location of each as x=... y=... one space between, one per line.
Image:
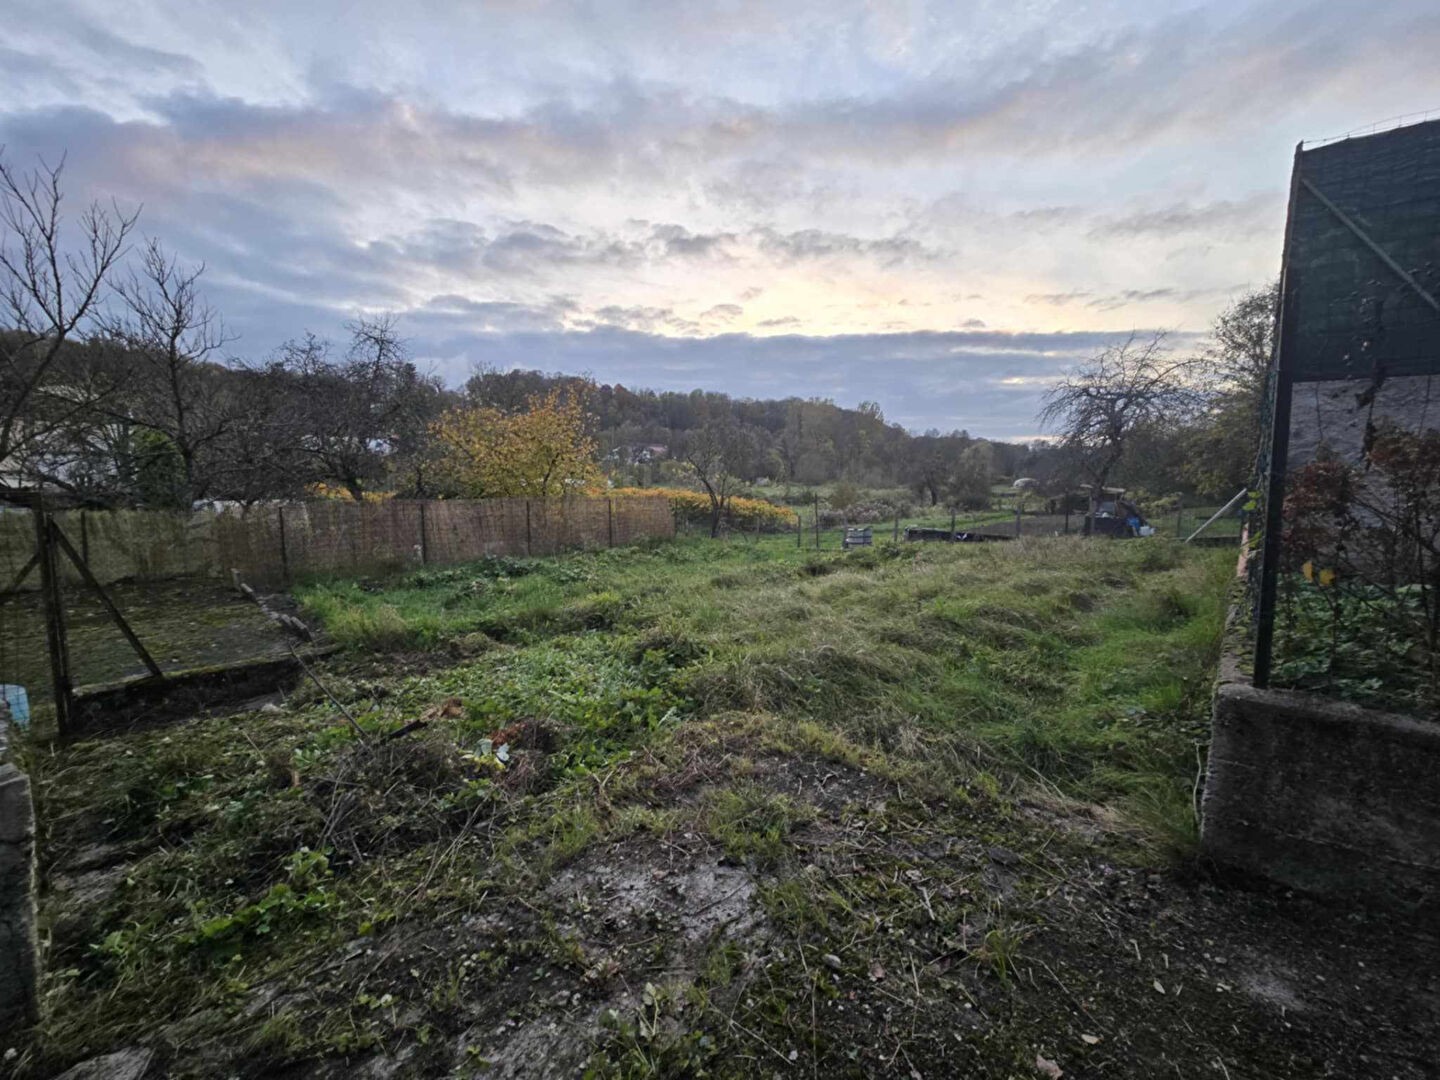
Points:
x=1324 y=797
x=19 y=963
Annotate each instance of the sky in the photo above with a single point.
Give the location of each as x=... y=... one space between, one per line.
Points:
x=935 y=206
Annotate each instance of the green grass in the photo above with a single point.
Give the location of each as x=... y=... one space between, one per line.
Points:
x=825 y=721
x=1086 y=662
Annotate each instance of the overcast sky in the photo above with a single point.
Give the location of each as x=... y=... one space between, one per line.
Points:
x=934 y=206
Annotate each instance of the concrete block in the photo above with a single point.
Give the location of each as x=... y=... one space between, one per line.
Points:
x=1323 y=796
x=19 y=951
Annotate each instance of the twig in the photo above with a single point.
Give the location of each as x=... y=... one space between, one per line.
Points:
x=814 y=1028
x=736 y=1024
x=326 y=691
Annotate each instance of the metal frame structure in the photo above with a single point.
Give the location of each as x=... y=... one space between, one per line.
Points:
x=50 y=544
x=1354 y=205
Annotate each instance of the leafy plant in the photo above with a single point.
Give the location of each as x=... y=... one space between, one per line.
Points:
x=1361 y=596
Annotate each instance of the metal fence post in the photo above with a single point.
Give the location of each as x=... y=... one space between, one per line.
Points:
x=527 y=527
x=424 y=537
x=284 y=554
x=1017 y=521
x=1281 y=381
x=55 y=637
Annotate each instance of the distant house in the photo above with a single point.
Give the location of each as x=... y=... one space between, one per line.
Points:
x=645 y=454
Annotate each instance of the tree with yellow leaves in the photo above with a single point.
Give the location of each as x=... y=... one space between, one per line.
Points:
x=543 y=450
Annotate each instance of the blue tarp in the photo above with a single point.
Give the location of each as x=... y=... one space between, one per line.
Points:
x=19 y=703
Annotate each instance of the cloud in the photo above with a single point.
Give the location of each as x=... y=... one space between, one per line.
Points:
x=1057 y=299
x=610 y=191
x=1131 y=296
x=1219 y=217
x=472 y=316
x=643 y=319
x=819 y=244
x=983 y=381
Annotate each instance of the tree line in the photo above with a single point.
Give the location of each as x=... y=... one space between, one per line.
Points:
x=118 y=384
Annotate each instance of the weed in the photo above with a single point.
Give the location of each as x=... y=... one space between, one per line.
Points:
x=751 y=823
x=1000 y=948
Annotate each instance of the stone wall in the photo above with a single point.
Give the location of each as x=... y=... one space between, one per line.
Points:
x=1322 y=796
x=19 y=963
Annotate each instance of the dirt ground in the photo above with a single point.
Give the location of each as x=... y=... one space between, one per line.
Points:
x=888 y=934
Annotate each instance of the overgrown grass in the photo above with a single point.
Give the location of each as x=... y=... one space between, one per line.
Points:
x=1088 y=663
x=601 y=699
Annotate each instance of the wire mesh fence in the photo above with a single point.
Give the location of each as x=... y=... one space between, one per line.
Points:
x=824 y=529
x=1346 y=596
x=166 y=576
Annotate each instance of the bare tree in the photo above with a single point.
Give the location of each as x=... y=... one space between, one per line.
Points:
x=718 y=453
x=170 y=336
x=1125 y=388
x=353 y=412
x=263 y=449
x=49 y=292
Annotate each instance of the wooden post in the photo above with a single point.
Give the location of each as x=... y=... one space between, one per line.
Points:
x=1067 y=515
x=896 y=537
x=85 y=537
x=952 y=522
x=610 y=520
x=527 y=527
x=1179 y=516
x=55 y=639
x=424 y=537
x=1017 y=520
x=799 y=531
x=284 y=554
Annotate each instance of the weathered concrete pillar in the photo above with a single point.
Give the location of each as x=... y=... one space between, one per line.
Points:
x=19 y=956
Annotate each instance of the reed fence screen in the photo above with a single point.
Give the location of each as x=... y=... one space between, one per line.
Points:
x=274 y=545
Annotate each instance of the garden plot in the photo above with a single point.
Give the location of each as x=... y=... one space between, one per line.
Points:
x=721 y=809
x=186 y=624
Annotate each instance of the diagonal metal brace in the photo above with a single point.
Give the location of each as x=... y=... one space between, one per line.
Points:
x=23 y=574
x=1371 y=244
x=63 y=542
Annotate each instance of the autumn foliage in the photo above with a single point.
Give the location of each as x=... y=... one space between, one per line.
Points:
x=340 y=493
x=543 y=450
x=741 y=513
